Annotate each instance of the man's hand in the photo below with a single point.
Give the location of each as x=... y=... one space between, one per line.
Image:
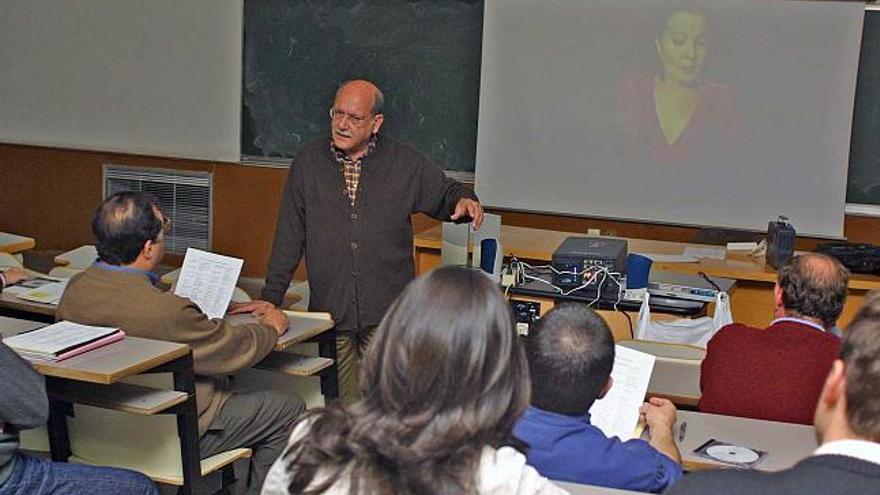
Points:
x=275 y=318
x=471 y=208
x=14 y=275
x=250 y=307
x=659 y=414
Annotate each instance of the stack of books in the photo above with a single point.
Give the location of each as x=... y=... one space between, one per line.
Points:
x=61 y=341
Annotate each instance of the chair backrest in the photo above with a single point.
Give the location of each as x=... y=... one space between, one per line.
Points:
x=9 y=261
x=81 y=257
x=676 y=372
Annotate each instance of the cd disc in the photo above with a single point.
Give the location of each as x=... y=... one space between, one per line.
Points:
x=732 y=453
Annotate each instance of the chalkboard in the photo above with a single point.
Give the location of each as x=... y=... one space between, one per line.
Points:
x=425 y=55
x=864 y=163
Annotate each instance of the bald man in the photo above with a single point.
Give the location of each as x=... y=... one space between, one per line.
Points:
x=346 y=206
x=777 y=373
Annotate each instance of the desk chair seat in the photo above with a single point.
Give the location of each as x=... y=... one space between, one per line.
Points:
x=676 y=374
x=81 y=257
x=64 y=272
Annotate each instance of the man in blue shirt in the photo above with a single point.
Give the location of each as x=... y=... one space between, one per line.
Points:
x=571 y=353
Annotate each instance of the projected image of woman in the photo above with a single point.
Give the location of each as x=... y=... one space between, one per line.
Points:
x=675 y=115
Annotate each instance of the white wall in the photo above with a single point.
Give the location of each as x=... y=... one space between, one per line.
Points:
x=157 y=77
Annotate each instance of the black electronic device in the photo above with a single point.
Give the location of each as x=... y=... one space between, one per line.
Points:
x=573 y=259
x=780 y=242
x=525 y=314
x=859 y=258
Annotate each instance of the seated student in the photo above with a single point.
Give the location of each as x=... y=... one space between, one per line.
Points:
x=118 y=291
x=571 y=353
x=11 y=276
x=777 y=373
x=443 y=381
x=23 y=405
x=847 y=423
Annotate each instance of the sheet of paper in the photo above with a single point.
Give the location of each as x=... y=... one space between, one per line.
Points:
x=208 y=279
x=617 y=414
x=670 y=258
x=49 y=293
x=713 y=253
x=57 y=337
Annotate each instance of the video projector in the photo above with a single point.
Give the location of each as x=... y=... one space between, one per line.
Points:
x=598 y=260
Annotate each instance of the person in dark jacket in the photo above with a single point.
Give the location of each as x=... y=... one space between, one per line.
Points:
x=346 y=206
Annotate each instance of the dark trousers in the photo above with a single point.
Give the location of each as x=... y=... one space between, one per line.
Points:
x=257 y=419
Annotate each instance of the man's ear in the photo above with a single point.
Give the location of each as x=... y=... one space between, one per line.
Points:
x=834 y=389
x=377 y=122
x=606 y=388
x=149 y=249
x=777 y=295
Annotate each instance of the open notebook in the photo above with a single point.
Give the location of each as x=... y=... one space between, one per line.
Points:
x=62 y=340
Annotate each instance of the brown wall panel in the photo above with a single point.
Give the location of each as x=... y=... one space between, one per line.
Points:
x=50 y=194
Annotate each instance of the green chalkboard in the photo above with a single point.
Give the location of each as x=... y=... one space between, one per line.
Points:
x=425 y=55
x=864 y=162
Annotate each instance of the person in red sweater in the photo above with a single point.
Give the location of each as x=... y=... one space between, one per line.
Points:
x=777 y=373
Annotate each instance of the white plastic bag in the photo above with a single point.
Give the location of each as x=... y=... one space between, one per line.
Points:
x=697 y=331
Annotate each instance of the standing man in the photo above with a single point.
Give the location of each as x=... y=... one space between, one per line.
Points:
x=346 y=206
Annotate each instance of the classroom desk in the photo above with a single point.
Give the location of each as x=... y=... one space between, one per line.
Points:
x=108 y=365
x=12 y=243
x=751 y=300
x=578 y=489
x=785 y=443
x=10 y=304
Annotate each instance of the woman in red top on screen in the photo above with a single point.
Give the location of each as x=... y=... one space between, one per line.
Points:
x=676 y=116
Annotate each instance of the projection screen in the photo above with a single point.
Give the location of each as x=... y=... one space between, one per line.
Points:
x=721 y=113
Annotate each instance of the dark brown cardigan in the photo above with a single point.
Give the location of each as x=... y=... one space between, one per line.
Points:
x=359 y=257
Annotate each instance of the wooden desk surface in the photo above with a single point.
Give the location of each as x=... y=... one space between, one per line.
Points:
x=113 y=362
x=538 y=244
x=785 y=443
x=751 y=299
x=11 y=301
x=12 y=243
x=303 y=326
x=14 y=326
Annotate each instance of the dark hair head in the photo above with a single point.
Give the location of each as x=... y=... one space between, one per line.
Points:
x=814 y=285
x=443 y=376
x=670 y=8
x=571 y=353
x=123 y=223
x=861 y=357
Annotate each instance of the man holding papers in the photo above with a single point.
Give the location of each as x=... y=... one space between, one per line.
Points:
x=571 y=354
x=118 y=291
x=23 y=405
x=847 y=422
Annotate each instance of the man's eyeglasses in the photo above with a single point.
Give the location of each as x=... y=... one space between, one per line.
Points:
x=166 y=224
x=355 y=120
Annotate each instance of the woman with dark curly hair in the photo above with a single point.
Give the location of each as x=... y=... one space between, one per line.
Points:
x=443 y=382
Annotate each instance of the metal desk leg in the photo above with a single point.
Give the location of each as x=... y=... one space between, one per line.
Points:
x=59 y=440
x=330 y=377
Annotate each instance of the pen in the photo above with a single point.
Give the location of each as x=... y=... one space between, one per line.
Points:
x=681 y=431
